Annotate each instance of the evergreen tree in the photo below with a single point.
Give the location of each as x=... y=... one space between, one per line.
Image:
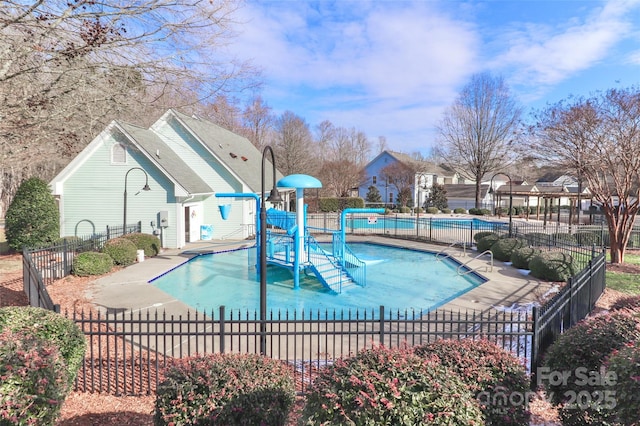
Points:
x=373 y=195
x=438 y=197
x=32 y=218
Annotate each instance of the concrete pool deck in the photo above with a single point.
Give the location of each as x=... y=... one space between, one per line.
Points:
x=129 y=290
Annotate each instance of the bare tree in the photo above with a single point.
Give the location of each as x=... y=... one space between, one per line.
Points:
x=478 y=130
x=258 y=122
x=339 y=177
x=67 y=68
x=402 y=176
x=293 y=145
x=598 y=140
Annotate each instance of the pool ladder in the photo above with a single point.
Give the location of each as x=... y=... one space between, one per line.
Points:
x=444 y=253
x=487 y=268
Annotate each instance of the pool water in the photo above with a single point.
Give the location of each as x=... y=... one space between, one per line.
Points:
x=396 y=278
x=377 y=222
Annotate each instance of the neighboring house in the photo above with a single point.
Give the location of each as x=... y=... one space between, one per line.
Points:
x=185 y=161
x=464 y=196
x=427 y=174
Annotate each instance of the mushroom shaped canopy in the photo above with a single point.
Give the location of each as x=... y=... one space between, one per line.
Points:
x=299 y=181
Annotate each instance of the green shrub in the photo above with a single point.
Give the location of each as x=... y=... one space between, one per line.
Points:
x=485 y=243
x=538 y=239
x=625 y=364
x=564 y=238
x=405 y=209
x=122 y=251
x=418 y=210
x=521 y=257
x=225 y=389
x=48 y=325
x=147 y=242
x=480 y=235
x=92 y=263
x=503 y=248
x=381 y=386
x=34 y=384
x=586 y=238
x=32 y=219
x=552 y=266
x=433 y=210
x=479 y=212
x=446 y=211
x=460 y=210
x=494 y=376
x=584 y=346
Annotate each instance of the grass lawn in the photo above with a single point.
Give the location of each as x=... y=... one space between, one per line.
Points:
x=625 y=282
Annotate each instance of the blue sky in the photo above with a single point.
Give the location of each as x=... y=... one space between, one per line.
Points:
x=390 y=68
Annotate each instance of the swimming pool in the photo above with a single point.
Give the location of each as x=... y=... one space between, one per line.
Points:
x=396 y=278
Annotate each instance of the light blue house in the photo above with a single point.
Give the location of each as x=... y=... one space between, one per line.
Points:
x=426 y=174
x=183 y=161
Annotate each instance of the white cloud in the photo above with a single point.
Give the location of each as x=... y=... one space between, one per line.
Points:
x=543 y=55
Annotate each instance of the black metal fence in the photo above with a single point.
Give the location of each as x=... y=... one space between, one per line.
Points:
x=43 y=265
x=131 y=350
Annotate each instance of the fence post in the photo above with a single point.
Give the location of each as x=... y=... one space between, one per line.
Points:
x=381 y=324
x=65 y=249
x=533 y=363
x=108 y=233
x=222 y=331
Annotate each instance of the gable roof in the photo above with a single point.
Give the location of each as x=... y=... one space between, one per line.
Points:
x=461 y=190
x=427 y=167
x=167 y=160
x=235 y=152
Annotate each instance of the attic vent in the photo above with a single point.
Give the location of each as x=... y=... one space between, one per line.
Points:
x=232 y=155
x=244 y=158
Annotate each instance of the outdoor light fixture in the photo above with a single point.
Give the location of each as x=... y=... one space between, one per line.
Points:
x=144 y=188
x=274 y=197
x=510 y=200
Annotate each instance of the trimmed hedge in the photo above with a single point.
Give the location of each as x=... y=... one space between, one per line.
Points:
x=48 y=325
x=433 y=210
x=147 y=242
x=538 y=239
x=225 y=389
x=564 y=238
x=460 y=210
x=33 y=382
x=494 y=376
x=503 y=248
x=521 y=257
x=552 y=266
x=480 y=235
x=381 y=386
x=122 y=251
x=625 y=364
x=92 y=263
x=486 y=243
x=479 y=212
x=584 y=346
x=586 y=238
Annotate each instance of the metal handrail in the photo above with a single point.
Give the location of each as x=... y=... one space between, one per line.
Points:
x=452 y=245
x=488 y=268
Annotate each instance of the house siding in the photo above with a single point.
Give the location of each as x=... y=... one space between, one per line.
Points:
x=89 y=202
x=218 y=177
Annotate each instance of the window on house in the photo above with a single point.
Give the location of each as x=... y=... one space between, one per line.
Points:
x=118 y=153
x=374 y=179
x=391 y=197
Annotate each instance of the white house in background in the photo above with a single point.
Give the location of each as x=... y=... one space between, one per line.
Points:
x=427 y=174
x=184 y=160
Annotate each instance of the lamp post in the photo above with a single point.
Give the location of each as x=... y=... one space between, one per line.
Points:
x=273 y=197
x=144 y=188
x=510 y=199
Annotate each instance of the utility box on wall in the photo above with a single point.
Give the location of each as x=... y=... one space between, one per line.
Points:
x=163 y=219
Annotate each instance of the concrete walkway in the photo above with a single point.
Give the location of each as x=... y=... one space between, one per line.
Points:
x=129 y=289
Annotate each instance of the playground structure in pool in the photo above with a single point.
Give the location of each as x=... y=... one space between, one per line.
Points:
x=297 y=250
